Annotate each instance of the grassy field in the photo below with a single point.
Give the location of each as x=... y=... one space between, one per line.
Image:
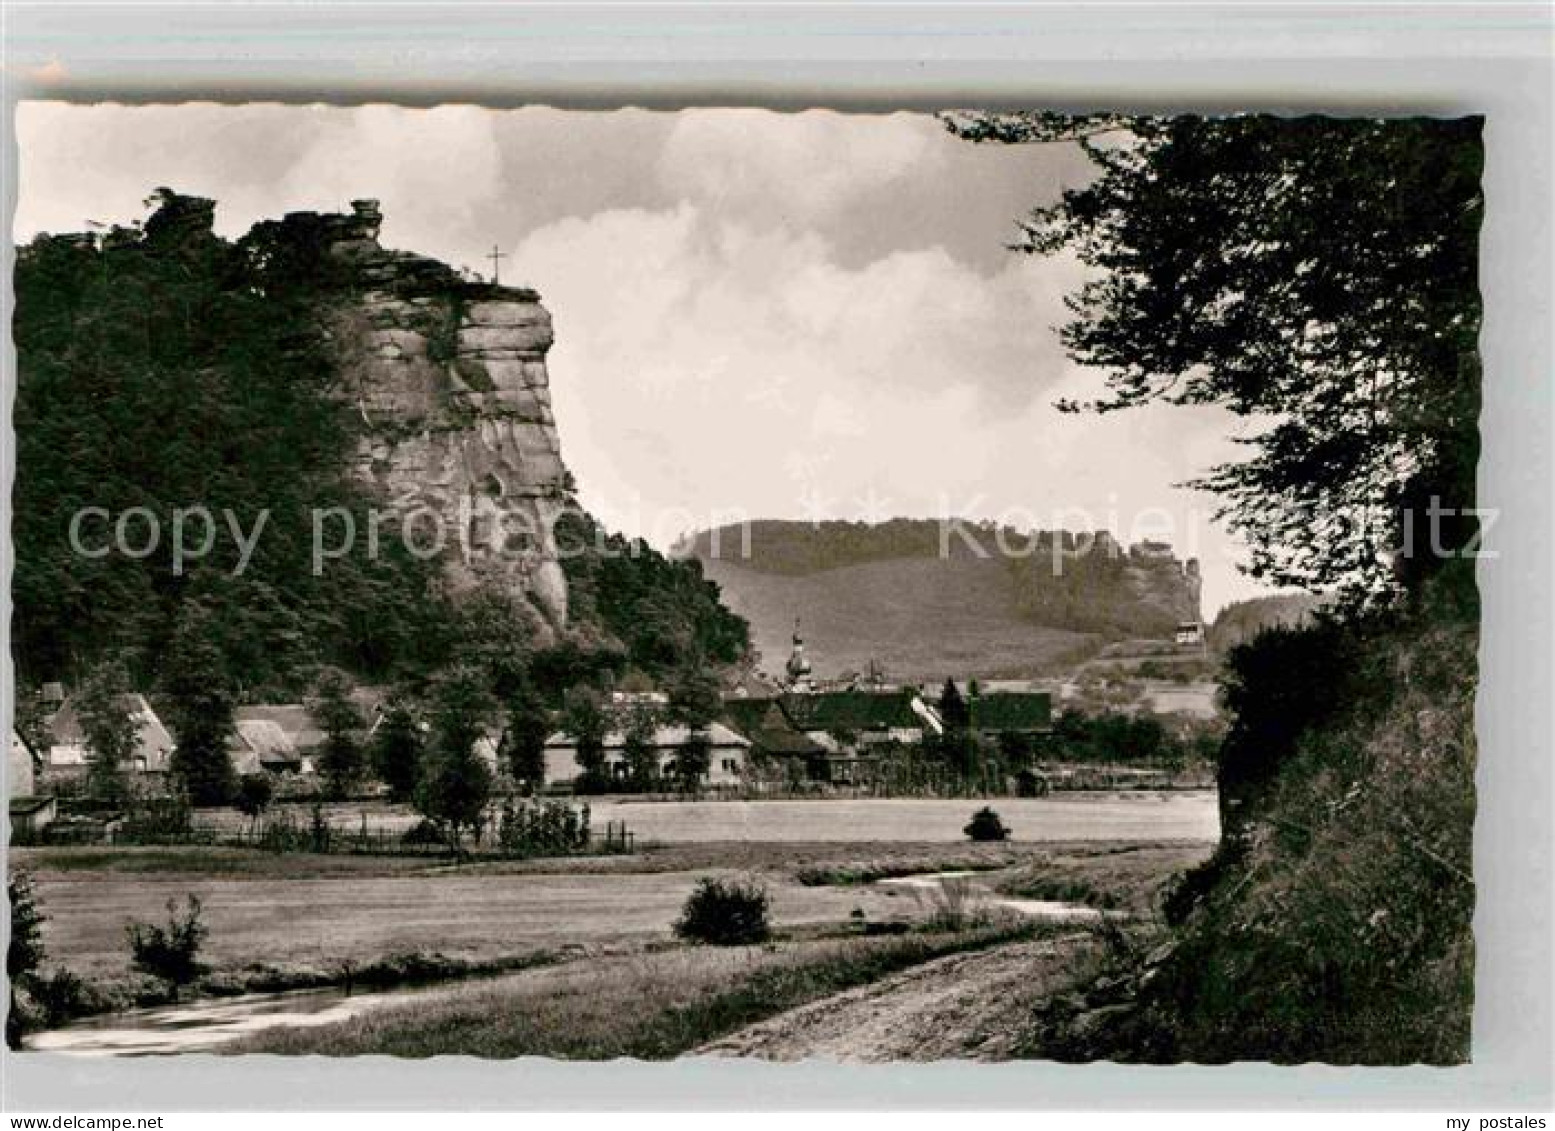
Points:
x=653 y=1007
x=316 y=912
x=1142 y=816
x=1104 y=816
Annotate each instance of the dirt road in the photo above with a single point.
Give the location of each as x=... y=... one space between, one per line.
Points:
x=964 y=1007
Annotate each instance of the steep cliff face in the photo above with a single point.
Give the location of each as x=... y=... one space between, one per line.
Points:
x=449 y=377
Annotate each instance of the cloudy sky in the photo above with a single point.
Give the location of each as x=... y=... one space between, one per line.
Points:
x=757 y=314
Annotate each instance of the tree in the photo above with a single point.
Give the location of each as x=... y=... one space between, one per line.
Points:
x=397 y=748
x=341 y=759
x=172 y=952
x=639 y=749
x=694 y=760
x=253 y=797
x=200 y=708
x=952 y=707
x=1317 y=276
x=694 y=696
x=529 y=725
x=110 y=727
x=455 y=783
x=24 y=953
x=583 y=717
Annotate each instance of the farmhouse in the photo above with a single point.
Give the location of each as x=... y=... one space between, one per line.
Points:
x=21 y=772
x=862 y=719
x=297 y=728
x=728 y=755
x=779 y=752
x=258 y=745
x=68 y=751
x=1012 y=714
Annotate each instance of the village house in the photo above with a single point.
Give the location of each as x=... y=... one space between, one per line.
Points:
x=728 y=755
x=21 y=768
x=1003 y=716
x=293 y=743
x=862 y=719
x=262 y=746
x=780 y=753
x=68 y=755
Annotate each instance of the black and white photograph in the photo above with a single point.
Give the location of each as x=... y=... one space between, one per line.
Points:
x=975 y=585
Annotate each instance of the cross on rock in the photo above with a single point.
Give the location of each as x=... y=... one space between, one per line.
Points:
x=494 y=257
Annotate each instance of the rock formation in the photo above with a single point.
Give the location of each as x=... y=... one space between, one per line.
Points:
x=449 y=377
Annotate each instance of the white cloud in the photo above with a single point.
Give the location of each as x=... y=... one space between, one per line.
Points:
x=799 y=167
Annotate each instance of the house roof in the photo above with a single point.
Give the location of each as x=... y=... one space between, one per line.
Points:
x=26 y=806
x=838 y=711
x=665 y=737
x=764 y=723
x=296 y=721
x=1013 y=710
x=155 y=743
x=291 y=719
x=259 y=743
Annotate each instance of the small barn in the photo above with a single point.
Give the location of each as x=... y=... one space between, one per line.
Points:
x=31 y=815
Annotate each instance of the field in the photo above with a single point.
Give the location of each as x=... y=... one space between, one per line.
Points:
x=1143 y=815
x=602 y=925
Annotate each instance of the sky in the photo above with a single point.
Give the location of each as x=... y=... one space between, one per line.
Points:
x=757 y=314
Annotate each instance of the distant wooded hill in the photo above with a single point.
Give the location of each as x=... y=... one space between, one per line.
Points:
x=887 y=593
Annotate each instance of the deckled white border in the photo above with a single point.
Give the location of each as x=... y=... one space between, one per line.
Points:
x=1400 y=59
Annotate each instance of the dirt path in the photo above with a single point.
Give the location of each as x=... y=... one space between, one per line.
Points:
x=963 y=1007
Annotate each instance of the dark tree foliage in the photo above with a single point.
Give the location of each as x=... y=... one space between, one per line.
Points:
x=953 y=710
x=254 y=795
x=166 y=368
x=24 y=952
x=662 y=610
x=523 y=742
x=725 y=912
x=396 y=751
x=200 y=704
x=171 y=953
x=111 y=732
x=693 y=760
x=342 y=760
x=637 y=748
x=455 y=783
x=583 y=717
x=1317 y=276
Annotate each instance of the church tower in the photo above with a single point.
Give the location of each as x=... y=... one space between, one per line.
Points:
x=797 y=670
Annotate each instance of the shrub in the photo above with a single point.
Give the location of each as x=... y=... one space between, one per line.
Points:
x=986 y=825
x=954 y=906
x=172 y=952
x=725 y=913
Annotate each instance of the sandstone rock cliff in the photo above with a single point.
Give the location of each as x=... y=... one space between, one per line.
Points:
x=450 y=379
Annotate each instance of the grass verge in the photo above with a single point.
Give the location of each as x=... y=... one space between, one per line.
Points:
x=652 y=1007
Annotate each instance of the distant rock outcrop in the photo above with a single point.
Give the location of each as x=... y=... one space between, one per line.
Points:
x=450 y=379
x=925 y=603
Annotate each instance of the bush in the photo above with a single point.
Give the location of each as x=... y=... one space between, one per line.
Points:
x=986 y=825
x=725 y=913
x=169 y=953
